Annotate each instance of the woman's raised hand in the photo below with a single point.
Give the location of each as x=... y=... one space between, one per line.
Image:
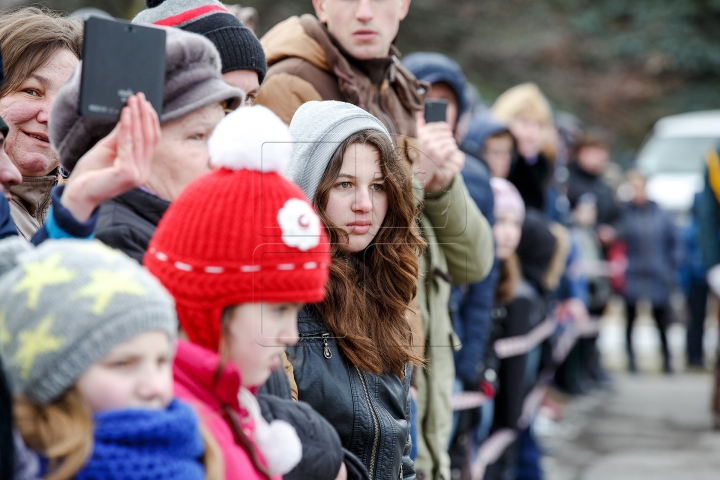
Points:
x=118 y=163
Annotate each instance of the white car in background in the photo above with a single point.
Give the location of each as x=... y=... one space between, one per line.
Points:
x=673 y=158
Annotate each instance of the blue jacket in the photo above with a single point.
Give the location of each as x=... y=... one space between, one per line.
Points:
x=60 y=222
x=652 y=251
x=692 y=268
x=470 y=305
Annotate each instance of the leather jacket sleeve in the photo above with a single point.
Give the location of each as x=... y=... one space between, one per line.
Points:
x=408 y=466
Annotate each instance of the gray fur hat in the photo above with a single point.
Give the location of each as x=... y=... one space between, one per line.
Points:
x=65 y=305
x=317 y=130
x=192 y=81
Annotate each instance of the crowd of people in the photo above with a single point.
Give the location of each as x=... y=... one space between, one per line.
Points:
x=287 y=272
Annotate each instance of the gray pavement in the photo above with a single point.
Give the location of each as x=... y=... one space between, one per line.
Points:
x=648 y=426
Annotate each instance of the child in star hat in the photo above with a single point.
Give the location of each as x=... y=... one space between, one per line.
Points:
x=87 y=337
x=241 y=250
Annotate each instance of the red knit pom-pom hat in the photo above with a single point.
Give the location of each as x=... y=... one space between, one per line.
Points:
x=242 y=233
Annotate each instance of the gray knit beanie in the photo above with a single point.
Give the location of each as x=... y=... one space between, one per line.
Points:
x=65 y=305
x=192 y=81
x=317 y=130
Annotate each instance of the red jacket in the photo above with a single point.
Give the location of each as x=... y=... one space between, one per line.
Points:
x=194 y=371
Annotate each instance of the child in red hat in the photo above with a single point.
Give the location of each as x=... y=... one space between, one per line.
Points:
x=241 y=250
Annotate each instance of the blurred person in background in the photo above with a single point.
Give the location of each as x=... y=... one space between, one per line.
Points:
x=528 y=116
x=249 y=16
x=40 y=50
x=709 y=227
x=514 y=303
x=694 y=283
x=490 y=142
x=587 y=181
x=652 y=252
x=587 y=176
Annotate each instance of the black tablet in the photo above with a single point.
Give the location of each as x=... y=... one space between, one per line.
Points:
x=119 y=60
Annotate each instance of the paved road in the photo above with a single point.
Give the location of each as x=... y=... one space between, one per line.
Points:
x=650 y=426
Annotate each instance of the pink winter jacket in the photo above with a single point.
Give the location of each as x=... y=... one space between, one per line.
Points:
x=194 y=371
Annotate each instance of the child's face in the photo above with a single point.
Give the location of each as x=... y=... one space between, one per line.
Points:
x=256 y=334
x=585 y=214
x=497 y=153
x=507 y=231
x=528 y=132
x=358 y=202
x=134 y=374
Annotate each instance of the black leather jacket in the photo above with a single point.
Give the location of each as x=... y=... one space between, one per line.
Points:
x=370 y=412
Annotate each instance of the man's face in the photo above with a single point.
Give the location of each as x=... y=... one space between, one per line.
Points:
x=245 y=80
x=364 y=28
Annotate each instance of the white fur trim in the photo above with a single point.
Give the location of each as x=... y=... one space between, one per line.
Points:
x=280 y=446
x=300 y=224
x=253 y=138
x=277 y=441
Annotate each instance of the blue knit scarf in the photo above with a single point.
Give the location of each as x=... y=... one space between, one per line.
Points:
x=146 y=445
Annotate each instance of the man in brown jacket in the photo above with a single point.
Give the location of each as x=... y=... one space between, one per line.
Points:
x=346 y=54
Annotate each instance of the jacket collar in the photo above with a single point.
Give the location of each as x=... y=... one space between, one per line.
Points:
x=574 y=167
x=144 y=204
x=376 y=71
x=34 y=194
x=196 y=368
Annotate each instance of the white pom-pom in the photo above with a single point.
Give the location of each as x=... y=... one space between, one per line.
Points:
x=280 y=446
x=253 y=138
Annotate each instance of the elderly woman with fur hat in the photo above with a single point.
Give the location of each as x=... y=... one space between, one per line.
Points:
x=195 y=99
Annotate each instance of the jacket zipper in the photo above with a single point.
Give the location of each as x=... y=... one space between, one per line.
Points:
x=376 y=430
x=326 y=349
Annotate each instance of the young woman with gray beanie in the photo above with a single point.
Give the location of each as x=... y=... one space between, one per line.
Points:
x=88 y=338
x=195 y=99
x=353 y=361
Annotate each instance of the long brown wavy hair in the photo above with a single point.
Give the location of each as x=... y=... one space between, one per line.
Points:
x=367 y=296
x=62 y=431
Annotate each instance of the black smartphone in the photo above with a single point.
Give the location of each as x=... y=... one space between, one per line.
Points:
x=119 y=60
x=435 y=110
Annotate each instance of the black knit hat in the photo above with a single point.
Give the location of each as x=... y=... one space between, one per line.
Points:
x=238 y=46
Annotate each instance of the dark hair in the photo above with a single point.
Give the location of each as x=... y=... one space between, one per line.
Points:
x=30 y=37
x=508 y=280
x=594 y=138
x=367 y=296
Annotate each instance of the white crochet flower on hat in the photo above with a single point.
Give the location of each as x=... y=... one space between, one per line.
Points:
x=300 y=225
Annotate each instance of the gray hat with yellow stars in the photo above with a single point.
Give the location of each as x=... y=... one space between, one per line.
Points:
x=65 y=305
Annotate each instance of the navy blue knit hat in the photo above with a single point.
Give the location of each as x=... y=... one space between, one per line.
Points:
x=480 y=127
x=238 y=46
x=435 y=67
